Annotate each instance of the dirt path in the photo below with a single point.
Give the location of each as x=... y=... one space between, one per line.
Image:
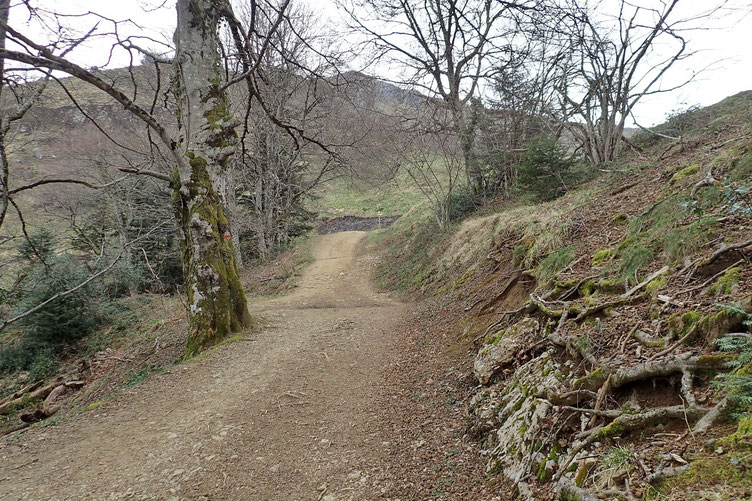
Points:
x=290 y=412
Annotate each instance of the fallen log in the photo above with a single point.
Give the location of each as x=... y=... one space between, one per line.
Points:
x=38 y=394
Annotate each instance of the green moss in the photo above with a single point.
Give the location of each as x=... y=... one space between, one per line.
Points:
x=588 y=288
x=684 y=173
x=610 y=286
x=215 y=294
x=655 y=285
x=727 y=283
x=680 y=323
x=553 y=264
x=601 y=256
x=592 y=381
x=621 y=218
x=712 y=472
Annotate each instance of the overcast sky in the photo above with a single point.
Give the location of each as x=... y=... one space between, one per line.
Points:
x=726 y=48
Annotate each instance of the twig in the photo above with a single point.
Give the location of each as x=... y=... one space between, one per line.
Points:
x=676 y=344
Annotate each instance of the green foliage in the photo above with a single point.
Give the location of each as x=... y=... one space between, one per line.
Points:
x=136 y=376
x=634 y=258
x=737 y=199
x=29 y=355
x=682 y=241
x=549 y=267
x=39 y=246
x=617 y=457
x=547 y=170
x=462 y=202
x=737 y=384
x=70 y=317
x=123 y=278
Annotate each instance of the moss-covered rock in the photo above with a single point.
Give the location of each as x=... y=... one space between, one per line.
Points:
x=511 y=416
x=727 y=283
x=602 y=256
x=684 y=173
x=502 y=348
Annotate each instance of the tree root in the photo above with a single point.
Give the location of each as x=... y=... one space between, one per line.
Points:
x=651 y=369
x=624 y=422
x=566 y=489
x=664 y=473
x=726 y=248
x=646 y=339
x=705 y=422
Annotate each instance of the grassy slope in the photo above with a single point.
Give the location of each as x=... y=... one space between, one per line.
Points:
x=616 y=230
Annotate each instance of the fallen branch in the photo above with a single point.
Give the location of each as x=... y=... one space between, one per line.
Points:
x=38 y=394
x=645 y=282
x=708 y=180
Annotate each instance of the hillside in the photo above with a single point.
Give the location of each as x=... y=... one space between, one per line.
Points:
x=598 y=326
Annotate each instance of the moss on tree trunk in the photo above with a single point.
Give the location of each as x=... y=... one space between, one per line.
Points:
x=216 y=302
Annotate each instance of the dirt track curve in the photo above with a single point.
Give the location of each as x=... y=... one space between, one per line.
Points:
x=287 y=413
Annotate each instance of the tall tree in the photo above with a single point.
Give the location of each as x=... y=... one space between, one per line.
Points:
x=447 y=48
x=199 y=152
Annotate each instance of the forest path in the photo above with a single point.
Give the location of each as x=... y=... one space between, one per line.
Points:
x=289 y=412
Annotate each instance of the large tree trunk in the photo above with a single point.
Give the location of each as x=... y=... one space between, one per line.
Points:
x=216 y=302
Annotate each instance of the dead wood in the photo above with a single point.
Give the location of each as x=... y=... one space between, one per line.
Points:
x=726 y=248
x=647 y=340
x=21 y=392
x=645 y=282
x=38 y=394
x=708 y=180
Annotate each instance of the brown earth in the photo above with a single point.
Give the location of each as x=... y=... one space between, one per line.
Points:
x=313 y=405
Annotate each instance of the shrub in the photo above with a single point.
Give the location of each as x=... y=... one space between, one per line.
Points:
x=123 y=278
x=462 y=202
x=39 y=246
x=554 y=263
x=737 y=384
x=547 y=170
x=68 y=318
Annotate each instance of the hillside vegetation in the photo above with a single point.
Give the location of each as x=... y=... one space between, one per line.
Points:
x=608 y=329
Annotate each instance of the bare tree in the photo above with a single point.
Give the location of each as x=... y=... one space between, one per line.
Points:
x=432 y=157
x=276 y=171
x=446 y=48
x=199 y=153
x=614 y=62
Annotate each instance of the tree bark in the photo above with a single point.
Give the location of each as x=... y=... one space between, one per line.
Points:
x=216 y=302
